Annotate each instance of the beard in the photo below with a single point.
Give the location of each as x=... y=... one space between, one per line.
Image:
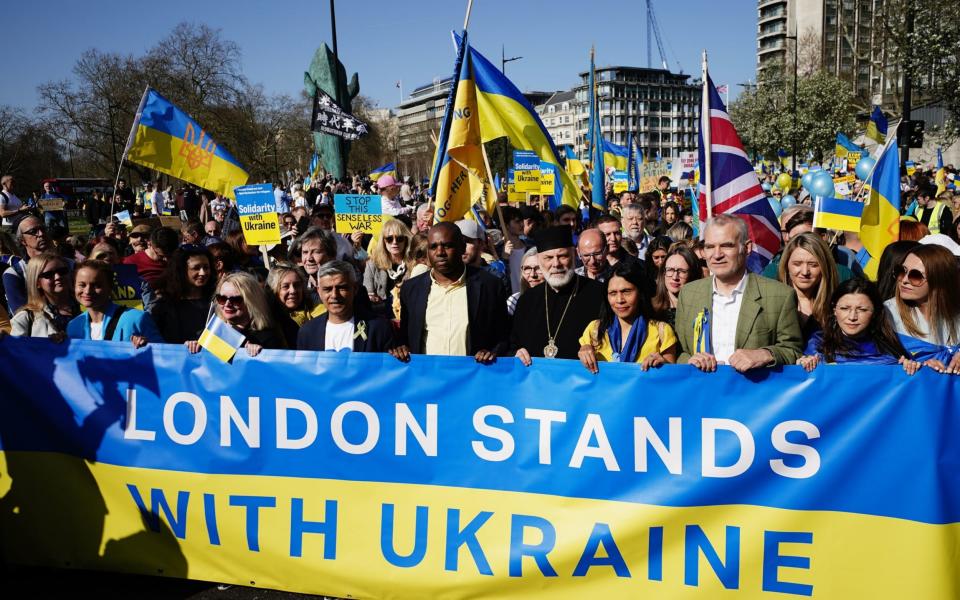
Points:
x=559 y=280
x=635 y=236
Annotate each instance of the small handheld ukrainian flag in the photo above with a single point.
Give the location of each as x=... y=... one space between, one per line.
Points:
x=837 y=213
x=220 y=339
x=701 y=332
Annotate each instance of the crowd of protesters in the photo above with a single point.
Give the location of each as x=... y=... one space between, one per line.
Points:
x=640 y=282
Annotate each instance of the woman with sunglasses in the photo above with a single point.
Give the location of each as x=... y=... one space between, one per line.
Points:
x=680 y=267
x=102 y=319
x=530 y=277
x=808 y=267
x=925 y=310
x=857 y=331
x=388 y=264
x=241 y=303
x=183 y=308
x=626 y=331
x=50 y=303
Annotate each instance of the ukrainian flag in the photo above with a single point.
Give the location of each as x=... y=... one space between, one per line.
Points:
x=845 y=146
x=460 y=173
x=877 y=127
x=220 y=339
x=505 y=112
x=166 y=139
x=880 y=223
x=941 y=176
x=387 y=169
x=837 y=213
x=574 y=165
x=615 y=156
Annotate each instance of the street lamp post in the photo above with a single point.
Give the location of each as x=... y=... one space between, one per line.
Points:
x=793 y=133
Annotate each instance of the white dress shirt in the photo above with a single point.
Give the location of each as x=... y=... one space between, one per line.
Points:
x=723 y=320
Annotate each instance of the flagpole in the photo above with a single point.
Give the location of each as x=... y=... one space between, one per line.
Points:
x=705 y=131
x=886 y=145
x=466 y=19
x=496 y=199
x=133 y=133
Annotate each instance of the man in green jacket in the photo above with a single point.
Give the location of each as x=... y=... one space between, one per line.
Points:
x=734 y=317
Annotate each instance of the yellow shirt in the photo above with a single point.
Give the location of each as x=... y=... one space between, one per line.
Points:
x=447 y=323
x=652 y=343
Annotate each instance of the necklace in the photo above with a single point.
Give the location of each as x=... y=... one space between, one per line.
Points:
x=550 y=350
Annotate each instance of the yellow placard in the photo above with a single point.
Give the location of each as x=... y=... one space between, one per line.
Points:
x=514 y=196
x=844 y=179
x=527 y=181
x=260 y=228
x=167 y=221
x=547 y=183
x=366 y=223
x=620 y=185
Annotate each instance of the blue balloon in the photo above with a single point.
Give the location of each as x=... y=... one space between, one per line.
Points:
x=766 y=186
x=787 y=201
x=864 y=166
x=807 y=179
x=775 y=205
x=821 y=186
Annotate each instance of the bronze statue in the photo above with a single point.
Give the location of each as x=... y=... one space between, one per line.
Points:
x=332 y=150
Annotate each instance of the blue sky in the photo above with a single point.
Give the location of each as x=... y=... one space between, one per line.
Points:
x=385 y=41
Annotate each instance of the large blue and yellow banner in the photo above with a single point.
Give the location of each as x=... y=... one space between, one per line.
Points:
x=166 y=139
x=355 y=475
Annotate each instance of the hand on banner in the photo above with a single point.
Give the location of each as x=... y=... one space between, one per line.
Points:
x=193 y=346
x=485 y=357
x=401 y=353
x=57 y=337
x=139 y=341
x=953 y=368
x=745 y=360
x=588 y=358
x=704 y=361
x=524 y=357
x=910 y=366
x=253 y=349
x=654 y=360
x=809 y=363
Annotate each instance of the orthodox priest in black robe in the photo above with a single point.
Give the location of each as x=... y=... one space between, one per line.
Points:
x=550 y=318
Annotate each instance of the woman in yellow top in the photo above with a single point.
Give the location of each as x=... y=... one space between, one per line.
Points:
x=626 y=331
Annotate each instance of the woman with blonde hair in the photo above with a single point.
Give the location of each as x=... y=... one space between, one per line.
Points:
x=50 y=302
x=808 y=267
x=388 y=265
x=241 y=302
x=925 y=310
x=288 y=282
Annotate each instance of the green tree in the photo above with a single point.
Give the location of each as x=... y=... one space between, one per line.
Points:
x=764 y=115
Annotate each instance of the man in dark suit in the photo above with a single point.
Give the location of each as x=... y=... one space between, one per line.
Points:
x=344 y=326
x=454 y=309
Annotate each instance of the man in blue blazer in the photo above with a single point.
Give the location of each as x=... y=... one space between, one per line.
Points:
x=454 y=309
x=344 y=326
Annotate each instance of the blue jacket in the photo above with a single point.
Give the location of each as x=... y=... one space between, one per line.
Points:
x=132 y=322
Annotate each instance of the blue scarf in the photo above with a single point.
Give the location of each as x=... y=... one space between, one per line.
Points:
x=627 y=351
x=865 y=352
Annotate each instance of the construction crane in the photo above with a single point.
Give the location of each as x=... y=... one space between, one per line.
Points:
x=653 y=30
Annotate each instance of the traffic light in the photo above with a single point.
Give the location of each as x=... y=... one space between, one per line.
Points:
x=913 y=133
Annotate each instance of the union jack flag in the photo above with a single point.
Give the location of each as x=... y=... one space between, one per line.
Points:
x=733 y=182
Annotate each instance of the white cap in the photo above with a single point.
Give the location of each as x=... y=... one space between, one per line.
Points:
x=469 y=229
x=939 y=239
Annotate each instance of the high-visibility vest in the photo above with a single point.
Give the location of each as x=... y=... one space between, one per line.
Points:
x=934 y=223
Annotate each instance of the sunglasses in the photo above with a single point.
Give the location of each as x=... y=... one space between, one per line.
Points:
x=62 y=272
x=138 y=235
x=394 y=239
x=913 y=276
x=36 y=231
x=223 y=300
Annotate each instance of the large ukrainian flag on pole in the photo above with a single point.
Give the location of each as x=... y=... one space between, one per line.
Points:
x=880 y=223
x=598 y=190
x=616 y=156
x=166 y=139
x=505 y=112
x=460 y=173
